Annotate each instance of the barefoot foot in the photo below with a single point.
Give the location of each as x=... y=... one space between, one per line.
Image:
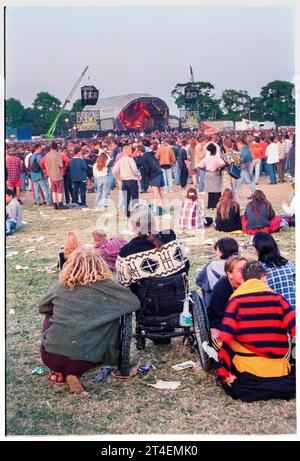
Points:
x=74 y=385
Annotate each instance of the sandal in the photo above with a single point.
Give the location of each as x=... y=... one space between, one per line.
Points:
x=117 y=373
x=56 y=378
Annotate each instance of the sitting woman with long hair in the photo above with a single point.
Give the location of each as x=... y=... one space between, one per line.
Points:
x=72 y=241
x=83 y=311
x=260 y=216
x=101 y=180
x=281 y=273
x=228 y=217
x=191 y=212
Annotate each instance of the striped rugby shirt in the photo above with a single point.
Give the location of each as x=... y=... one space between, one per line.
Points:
x=259 y=319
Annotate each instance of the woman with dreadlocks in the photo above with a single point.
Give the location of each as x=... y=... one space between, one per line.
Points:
x=83 y=310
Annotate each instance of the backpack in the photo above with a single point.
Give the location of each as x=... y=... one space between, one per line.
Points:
x=35 y=166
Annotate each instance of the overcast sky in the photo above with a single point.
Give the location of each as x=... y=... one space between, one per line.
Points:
x=146 y=49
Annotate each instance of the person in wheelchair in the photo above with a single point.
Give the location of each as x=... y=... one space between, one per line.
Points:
x=82 y=318
x=154 y=265
x=256 y=334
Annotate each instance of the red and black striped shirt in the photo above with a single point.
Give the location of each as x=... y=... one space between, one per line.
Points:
x=260 y=322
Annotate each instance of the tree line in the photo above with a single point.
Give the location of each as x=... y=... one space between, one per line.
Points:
x=274 y=103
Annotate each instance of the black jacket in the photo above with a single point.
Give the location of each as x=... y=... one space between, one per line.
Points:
x=218 y=302
x=150 y=165
x=231 y=224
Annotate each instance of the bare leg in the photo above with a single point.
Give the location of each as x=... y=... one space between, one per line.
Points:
x=18 y=192
x=155 y=192
x=54 y=197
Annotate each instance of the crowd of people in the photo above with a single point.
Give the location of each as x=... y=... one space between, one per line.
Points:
x=250 y=303
x=59 y=172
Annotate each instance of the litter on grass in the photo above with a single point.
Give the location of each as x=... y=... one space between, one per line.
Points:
x=11 y=311
x=30 y=250
x=39 y=371
x=208 y=242
x=21 y=268
x=50 y=270
x=145 y=368
x=102 y=375
x=12 y=253
x=165 y=385
x=183 y=365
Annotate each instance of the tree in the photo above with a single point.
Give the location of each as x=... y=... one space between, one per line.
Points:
x=256 y=109
x=278 y=103
x=207 y=105
x=15 y=113
x=236 y=104
x=46 y=107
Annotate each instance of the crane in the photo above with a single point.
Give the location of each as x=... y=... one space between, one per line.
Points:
x=50 y=132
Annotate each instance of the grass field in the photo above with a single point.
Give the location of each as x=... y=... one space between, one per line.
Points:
x=36 y=407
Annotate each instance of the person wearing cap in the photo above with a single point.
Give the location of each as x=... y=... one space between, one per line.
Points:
x=108 y=249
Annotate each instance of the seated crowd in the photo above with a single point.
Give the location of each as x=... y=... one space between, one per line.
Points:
x=250 y=305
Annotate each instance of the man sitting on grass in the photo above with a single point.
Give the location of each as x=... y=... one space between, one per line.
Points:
x=108 y=249
x=253 y=357
x=13 y=212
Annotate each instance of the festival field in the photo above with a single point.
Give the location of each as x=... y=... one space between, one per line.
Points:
x=198 y=406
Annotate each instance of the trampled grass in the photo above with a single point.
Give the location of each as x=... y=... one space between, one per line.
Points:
x=36 y=407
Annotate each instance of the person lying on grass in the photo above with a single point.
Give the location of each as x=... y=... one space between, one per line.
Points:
x=255 y=341
x=82 y=321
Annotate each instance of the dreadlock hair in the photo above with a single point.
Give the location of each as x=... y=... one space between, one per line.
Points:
x=84 y=267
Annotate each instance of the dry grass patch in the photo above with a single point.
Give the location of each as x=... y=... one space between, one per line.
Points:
x=36 y=407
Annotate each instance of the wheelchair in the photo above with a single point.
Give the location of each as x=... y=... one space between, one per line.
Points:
x=158 y=319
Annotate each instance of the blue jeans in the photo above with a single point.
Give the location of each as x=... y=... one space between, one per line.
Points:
x=10 y=226
x=168 y=179
x=201 y=180
x=130 y=191
x=272 y=172
x=176 y=172
x=263 y=166
x=111 y=180
x=80 y=185
x=43 y=184
x=24 y=177
x=245 y=177
x=102 y=191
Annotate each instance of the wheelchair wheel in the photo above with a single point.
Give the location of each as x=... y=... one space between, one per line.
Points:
x=125 y=344
x=201 y=329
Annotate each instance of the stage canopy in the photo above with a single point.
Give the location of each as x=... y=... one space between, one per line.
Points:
x=129 y=112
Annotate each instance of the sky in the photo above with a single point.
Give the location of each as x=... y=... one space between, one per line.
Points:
x=146 y=49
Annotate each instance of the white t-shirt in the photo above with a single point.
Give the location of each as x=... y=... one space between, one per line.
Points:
x=26 y=160
x=272 y=153
x=103 y=172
